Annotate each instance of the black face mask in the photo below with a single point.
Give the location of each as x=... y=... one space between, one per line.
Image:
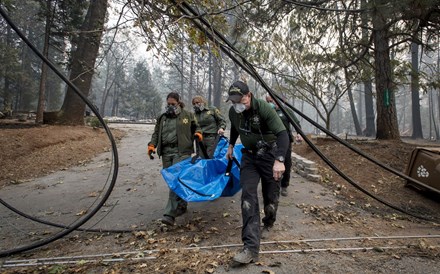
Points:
x=198 y=108
x=172 y=111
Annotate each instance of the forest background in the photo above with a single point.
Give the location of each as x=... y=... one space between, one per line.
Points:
x=366 y=68
x=361 y=67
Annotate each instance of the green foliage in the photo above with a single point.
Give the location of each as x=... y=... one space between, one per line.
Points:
x=141 y=100
x=166 y=34
x=56 y=269
x=23 y=65
x=93 y=121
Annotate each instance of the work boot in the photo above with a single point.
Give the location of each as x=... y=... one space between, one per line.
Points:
x=180 y=211
x=168 y=220
x=269 y=212
x=269 y=215
x=245 y=256
x=265 y=232
x=284 y=191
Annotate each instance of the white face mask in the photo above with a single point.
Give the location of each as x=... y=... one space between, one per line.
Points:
x=239 y=107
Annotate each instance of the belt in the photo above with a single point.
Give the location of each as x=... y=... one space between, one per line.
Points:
x=171 y=145
x=254 y=151
x=248 y=151
x=210 y=134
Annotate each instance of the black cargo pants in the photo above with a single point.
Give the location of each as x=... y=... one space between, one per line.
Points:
x=254 y=168
x=285 y=181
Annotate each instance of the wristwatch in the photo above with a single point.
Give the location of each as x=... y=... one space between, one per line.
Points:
x=280 y=159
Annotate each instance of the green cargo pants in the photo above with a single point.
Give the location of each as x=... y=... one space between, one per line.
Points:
x=170 y=157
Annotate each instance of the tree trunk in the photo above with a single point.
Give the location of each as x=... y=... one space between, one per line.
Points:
x=301 y=120
x=115 y=103
x=356 y=123
x=437 y=132
x=210 y=79
x=107 y=89
x=41 y=107
x=217 y=81
x=8 y=96
x=387 y=127
x=327 y=121
x=354 y=115
x=105 y=98
x=182 y=78
x=83 y=63
x=432 y=119
x=360 y=110
x=417 y=132
x=191 y=78
x=370 y=130
x=26 y=69
x=338 y=119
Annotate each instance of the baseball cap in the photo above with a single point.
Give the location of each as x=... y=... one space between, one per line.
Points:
x=236 y=91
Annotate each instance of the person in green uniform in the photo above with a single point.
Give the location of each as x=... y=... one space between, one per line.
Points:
x=285 y=181
x=210 y=120
x=265 y=142
x=173 y=137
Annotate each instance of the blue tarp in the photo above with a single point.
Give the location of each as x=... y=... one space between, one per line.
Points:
x=205 y=179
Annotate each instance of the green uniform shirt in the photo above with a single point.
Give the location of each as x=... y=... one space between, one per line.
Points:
x=210 y=120
x=169 y=131
x=185 y=127
x=259 y=122
x=286 y=121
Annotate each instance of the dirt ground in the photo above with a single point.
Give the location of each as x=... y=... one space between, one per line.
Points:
x=28 y=151
x=378 y=181
x=322 y=227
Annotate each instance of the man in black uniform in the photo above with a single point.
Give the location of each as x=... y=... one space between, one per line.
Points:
x=265 y=142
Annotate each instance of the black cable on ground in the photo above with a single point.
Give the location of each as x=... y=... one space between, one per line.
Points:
x=49 y=223
x=89 y=215
x=211 y=33
x=250 y=70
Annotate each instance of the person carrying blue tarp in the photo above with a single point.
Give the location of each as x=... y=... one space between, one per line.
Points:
x=173 y=139
x=265 y=141
x=211 y=122
x=285 y=181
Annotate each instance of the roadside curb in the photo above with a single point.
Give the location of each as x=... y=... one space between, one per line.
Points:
x=305 y=168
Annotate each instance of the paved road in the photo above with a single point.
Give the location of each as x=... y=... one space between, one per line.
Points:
x=139 y=197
